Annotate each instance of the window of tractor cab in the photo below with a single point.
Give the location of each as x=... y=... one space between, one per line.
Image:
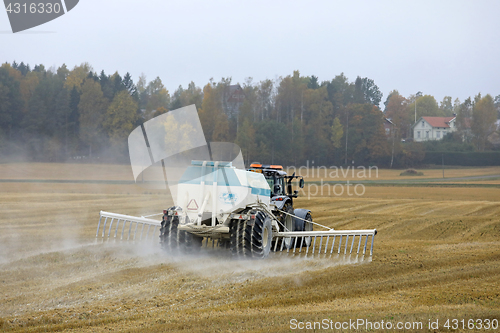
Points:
x=270 y=181
x=279 y=181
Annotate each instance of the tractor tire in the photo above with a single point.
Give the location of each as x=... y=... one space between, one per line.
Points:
x=307 y=227
x=224 y=244
x=188 y=243
x=168 y=233
x=237 y=239
x=288 y=225
x=174 y=240
x=252 y=238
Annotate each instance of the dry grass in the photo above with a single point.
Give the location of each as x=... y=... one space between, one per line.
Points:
x=367 y=173
x=437 y=256
x=65 y=171
x=69 y=171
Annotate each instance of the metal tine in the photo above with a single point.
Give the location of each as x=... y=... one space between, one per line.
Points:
x=123 y=228
x=320 y=243
x=98 y=225
x=213 y=243
x=366 y=242
x=371 y=249
x=359 y=243
x=104 y=227
x=110 y=226
x=301 y=244
x=275 y=245
x=352 y=244
x=294 y=245
x=314 y=244
x=129 y=229
x=346 y=244
x=117 y=225
x=356 y=260
x=147 y=232
x=282 y=244
x=135 y=230
x=333 y=244
x=340 y=243
x=142 y=230
x=307 y=248
x=326 y=245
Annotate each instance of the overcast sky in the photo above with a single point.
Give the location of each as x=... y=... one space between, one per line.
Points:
x=442 y=48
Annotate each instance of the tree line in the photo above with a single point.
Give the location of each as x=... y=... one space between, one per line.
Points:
x=61 y=114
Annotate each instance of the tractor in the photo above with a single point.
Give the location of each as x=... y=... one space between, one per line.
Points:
x=241 y=209
x=248 y=211
x=282 y=195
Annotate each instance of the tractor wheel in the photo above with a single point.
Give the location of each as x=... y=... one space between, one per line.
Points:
x=308 y=226
x=188 y=243
x=224 y=244
x=173 y=239
x=236 y=232
x=289 y=225
x=252 y=238
x=168 y=233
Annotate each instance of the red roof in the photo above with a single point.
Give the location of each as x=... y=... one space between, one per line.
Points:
x=439 y=121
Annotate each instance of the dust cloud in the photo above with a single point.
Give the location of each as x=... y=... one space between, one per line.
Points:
x=50 y=257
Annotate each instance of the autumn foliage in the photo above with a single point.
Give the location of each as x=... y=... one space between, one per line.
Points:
x=78 y=114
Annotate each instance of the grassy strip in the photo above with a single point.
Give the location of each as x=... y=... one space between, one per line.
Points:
x=407 y=184
x=73 y=181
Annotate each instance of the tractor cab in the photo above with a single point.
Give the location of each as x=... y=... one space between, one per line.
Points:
x=279 y=182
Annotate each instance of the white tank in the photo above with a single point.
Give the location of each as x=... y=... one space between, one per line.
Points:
x=217 y=188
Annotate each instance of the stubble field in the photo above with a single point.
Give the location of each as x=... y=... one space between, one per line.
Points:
x=436 y=257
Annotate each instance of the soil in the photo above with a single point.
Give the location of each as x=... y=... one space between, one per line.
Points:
x=436 y=257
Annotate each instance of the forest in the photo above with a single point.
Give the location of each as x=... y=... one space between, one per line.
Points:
x=80 y=115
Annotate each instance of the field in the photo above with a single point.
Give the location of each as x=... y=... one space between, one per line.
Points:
x=436 y=257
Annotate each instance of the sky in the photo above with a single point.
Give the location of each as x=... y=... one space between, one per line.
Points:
x=441 y=48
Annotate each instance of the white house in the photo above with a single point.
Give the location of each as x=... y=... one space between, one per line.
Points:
x=433 y=128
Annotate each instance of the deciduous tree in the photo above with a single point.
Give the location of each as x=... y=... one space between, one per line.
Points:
x=158 y=97
x=213 y=119
x=397 y=110
x=92 y=108
x=246 y=140
x=426 y=107
x=337 y=133
x=120 y=119
x=446 y=106
x=484 y=116
x=366 y=91
x=76 y=77
x=464 y=120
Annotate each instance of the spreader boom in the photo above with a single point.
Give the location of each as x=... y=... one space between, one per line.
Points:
x=143 y=221
x=317 y=241
x=301 y=236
